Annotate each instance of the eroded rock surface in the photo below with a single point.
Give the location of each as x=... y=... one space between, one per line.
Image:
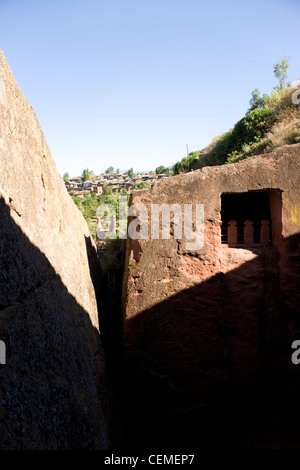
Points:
x=54 y=392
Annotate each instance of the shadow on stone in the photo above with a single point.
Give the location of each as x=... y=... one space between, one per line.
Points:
x=54 y=389
x=210 y=367
x=110 y=315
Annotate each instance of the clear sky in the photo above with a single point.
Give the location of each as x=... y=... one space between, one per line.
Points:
x=132 y=83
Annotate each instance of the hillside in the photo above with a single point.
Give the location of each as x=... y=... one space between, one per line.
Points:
x=270 y=122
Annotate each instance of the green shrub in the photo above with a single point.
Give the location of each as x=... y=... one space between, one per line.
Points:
x=187 y=163
x=160 y=170
x=142 y=185
x=236 y=143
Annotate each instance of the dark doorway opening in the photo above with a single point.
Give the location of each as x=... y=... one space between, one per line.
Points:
x=247 y=218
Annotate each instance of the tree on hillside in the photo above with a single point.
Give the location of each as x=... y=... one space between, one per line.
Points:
x=280 y=72
x=86 y=174
x=160 y=170
x=131 y=173
x=186 y=164
x=178 y=168
x=66 y=177
x=110 y=170
x=256 y=100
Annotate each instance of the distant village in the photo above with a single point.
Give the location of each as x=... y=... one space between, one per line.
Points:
x=76 y=186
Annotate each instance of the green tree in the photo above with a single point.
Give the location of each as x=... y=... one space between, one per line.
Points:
x=177 y=168
x=110 y=170
x=86 y=174
x=186 y=164
x=160 y=170
x=280 y=72
x=256 y=100
x=107 y=190
x=66 y=177
x=131 y=173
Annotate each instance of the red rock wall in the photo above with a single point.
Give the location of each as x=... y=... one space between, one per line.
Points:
x=208 y=333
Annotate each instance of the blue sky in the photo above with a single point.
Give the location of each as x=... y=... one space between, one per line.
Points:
x=131 y=83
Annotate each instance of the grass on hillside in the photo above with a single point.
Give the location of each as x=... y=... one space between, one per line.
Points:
x=260 y=131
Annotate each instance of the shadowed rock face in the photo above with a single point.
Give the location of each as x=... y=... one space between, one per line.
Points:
x=54 y=393
x=208 y=332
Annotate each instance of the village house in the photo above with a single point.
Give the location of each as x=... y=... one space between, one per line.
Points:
x=87 y=184
x=117 y=182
